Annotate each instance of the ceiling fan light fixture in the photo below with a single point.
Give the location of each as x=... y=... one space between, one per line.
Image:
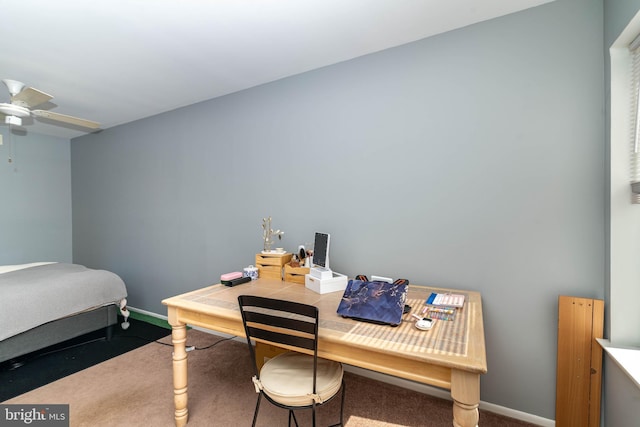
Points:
x=14 y=110
x=14 y=86
x=13 y=120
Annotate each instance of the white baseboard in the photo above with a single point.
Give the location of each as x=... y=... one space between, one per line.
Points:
x=445 y=394
x=518 y=415
x=148 y=313
x=410 y=385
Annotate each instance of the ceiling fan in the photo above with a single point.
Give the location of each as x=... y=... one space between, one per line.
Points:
x=24 y=98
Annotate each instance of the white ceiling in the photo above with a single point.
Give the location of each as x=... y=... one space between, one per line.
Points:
x=118 y=61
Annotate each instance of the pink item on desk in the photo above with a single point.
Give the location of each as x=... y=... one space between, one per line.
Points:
x=231 y=276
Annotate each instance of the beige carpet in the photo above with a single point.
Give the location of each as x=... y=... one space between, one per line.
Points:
x=136 y=389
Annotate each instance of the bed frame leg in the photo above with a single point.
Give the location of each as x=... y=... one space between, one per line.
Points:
x=108 y=333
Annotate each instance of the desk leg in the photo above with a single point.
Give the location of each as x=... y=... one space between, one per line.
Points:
x=179 y=338
x=465 y=391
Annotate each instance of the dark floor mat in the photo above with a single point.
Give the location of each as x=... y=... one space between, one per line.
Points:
x=41 y=367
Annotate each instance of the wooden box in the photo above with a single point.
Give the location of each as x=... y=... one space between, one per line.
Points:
x=270 y=265
x=265 y=352
x=295 y=274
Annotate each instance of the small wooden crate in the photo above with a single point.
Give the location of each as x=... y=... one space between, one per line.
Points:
x=295 y=274
x=265 y=352
x=270 y=265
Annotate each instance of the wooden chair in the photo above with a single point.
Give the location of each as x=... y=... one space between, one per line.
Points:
x=296 y=379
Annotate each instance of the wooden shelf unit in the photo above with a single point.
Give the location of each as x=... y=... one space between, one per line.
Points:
x=295 y=274
x=270 y=265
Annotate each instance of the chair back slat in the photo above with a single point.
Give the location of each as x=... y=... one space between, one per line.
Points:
x=280 y=338
x=301 y=325
x=280 y=305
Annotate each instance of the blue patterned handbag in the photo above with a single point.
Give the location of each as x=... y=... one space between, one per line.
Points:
x=377 y=302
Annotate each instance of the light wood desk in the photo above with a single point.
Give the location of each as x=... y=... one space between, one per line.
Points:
x=451 y=355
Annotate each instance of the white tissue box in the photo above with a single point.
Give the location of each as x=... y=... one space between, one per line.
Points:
x=323 y=286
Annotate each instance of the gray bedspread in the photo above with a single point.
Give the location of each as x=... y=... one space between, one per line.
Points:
x=37 y=295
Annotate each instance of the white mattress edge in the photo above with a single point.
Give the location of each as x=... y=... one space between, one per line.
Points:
x=10 y=268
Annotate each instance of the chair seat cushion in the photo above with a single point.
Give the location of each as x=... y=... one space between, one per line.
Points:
x=288 y=379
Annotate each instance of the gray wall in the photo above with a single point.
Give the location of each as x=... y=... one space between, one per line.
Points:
x=35 y=198
x=621 y=397
x=472 y=160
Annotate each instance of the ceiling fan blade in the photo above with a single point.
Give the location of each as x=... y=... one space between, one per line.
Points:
x=30 y=97
x=66 y=119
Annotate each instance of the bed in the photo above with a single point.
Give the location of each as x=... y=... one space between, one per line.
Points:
x=42 y=304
